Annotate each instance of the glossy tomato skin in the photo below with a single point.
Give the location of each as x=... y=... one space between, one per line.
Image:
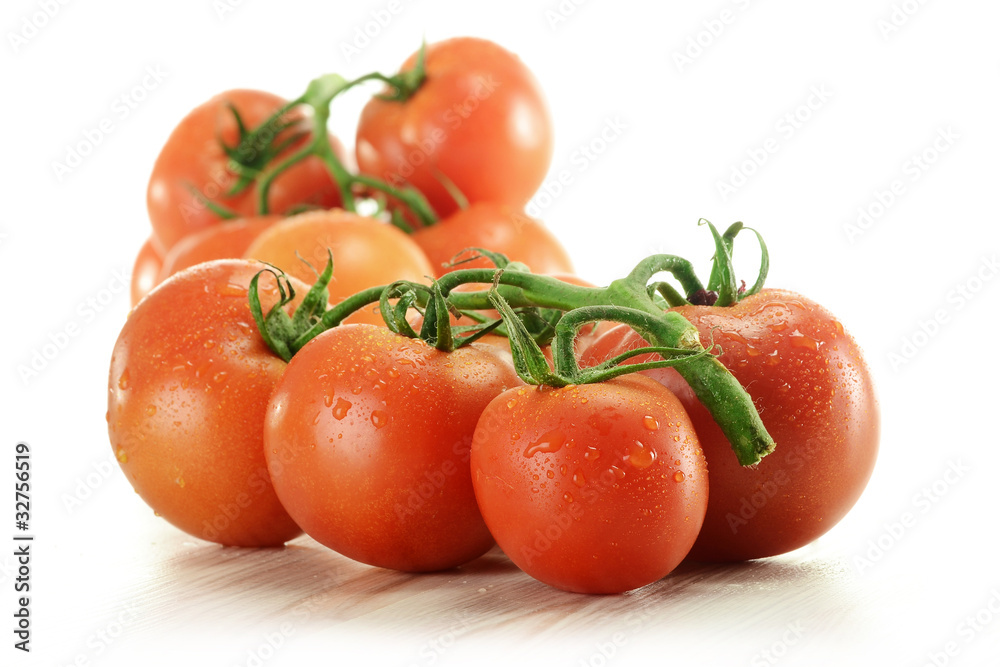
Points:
x=188 y=388
x=497 y=227
x=479 y=118
x=145 y=271
x=192 y=156
x=815 y=395
x=366 y=253
x=596 y=488
x=227 y=240
x=367 y=439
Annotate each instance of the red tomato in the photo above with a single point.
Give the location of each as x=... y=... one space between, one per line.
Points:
x=145 y=271
x=367 y=439
x=495 y=227
x=193 y=157
x=366 y=253
x=814 y=393
x=188 y=388
x=596 y=488
x=479 y=119
x=226 y=240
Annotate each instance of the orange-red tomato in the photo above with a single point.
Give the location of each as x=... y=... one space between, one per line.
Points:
x=226 y=240
x=815 y=395
x=145 y=270
x=366 y=253
x=367 y=440
x=479 y=119
x=495 y=227
x=193 y=158
x=595 y=488
x=188 y=388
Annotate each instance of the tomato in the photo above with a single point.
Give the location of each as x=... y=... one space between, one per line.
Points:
x=596 y=488
x=815 y=396
x=226 y=240
x=479 y=119
x=495 y=227
x=366 y=253
x=188 y=388
x=367 y=440
x=145 y=270
x=193 y=157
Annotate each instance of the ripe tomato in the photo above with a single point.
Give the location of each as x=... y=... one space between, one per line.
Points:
x=495 y=227
x=366 y=253
x=227 y=240
x=188 y=388
x=193 y=157
x=596 y=488
x=145 y=270
x=815 y=396
x=479 y=119
x=367 y=440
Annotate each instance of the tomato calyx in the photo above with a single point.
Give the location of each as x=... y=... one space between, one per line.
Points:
x=257 y=148
x=280 y=330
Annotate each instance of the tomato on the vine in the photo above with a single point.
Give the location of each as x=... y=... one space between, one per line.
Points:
x=366 y=253
x=478 y=120
x=495 y=227
x=194 y=164
x=367 y=439
x=592 y=488
x=815 y=395
x=227 y=240
x=188 y=388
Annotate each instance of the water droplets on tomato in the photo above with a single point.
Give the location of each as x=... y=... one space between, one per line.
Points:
x=579 y=478
x=379 y=418
x=592 y=454
x=123 y=380
x=550 y=442
x=678 y=476
x=640 y=456
x=341 y=409
x=650 y=423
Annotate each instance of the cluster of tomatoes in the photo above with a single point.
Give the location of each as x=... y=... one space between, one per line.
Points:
x=246 y=407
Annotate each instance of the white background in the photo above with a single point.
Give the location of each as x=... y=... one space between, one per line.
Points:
x=894 y=78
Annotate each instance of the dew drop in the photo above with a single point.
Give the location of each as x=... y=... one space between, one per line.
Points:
x=179 y=482
x=640 y=455
x=511 y=403
x=150 y=410
x=617 y=472
x=380 y=418
x=219 y=377
x=550 y=474
x=567 y=497
x=121 y=455
x=678 y=476
x=123 y=380
x=357 y=390
x=579 y=479
x=592 y=454
x=650 y=423
x=549 y=442
x=341 y=409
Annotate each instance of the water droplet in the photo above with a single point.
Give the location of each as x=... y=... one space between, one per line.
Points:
x=121 y=455
x=209 y=344
x=549 y=442
x=219 y=377
x=583 y=401
x=328 y=400
x=579 y=479
x=511 y=403
x=357 y=390
x=567 y=497
x=563 y=469
x=179 y=482
x=678 y=476
x=230 y=289
x=779 y=326
x=550 y=474
x=617 y=472
x=799 y=339
x=592 y=454
x=393 y=373
x=150 y=410
x=640 y=455
x=123 y=380
x=650 y=423
x=341 y=409
x=379 y=418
